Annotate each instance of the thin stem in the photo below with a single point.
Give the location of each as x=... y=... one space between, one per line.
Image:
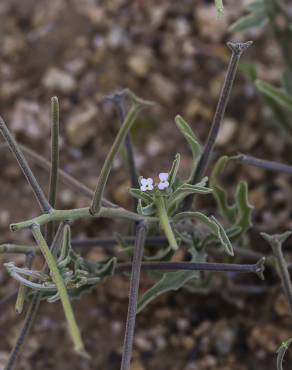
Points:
x=164 y=221
x=29 y=319
x=256 y=268
x=78 y=213
x=56 y=276
x=133 y=295
x=237 y=50
x=54 y=162
x=105 y=171
x=23 y=289
x=262 y=163
x=64 y=177
x=119 y=100
x=14 y=147
x=31 y=313
x=276 y=242
x=155 y=241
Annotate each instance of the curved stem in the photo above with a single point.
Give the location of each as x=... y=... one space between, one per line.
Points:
x=164 y=222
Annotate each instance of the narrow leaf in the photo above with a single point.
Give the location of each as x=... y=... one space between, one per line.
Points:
x=253 y=20
x=276 y=94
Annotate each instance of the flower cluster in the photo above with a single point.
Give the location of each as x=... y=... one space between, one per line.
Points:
x=148 y=184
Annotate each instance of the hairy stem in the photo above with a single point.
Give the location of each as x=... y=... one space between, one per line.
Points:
x=23 y=289
x=164 y=222
x=56 y=276
x=256 y=268
x=14 y=147
x=31 y=313
x=105 y=171
x=237 y=50
x=78 y=213
x=119 y=100
x=133 y=295
x=262 y=163
x=28 y=321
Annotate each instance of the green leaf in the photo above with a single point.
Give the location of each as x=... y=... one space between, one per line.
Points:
x=256 y=6
x=276 y=94
x=171 y=281
x=244 y=208
x=253 y=20
x=281 y=353
x=174 y=169
x=190 y=137
x=147 y=210
x=142 y=195
x=220 y=195
x=184 y=190
x=214 y=226
x=161 y=255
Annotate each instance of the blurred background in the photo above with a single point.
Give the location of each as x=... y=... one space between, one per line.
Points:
x=174 y=53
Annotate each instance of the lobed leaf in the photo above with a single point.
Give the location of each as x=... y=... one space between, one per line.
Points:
x=141 y=195
x=214 y=226
x=171 y=281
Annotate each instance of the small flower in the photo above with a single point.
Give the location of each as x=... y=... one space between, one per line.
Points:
x=164 y=184
x=146 y=184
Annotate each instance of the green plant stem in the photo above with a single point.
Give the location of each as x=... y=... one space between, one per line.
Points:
x=56 y=276
x=105 y=171
x=31 y=312
x=23 y=289
x=78 y=213
x=133 y=295
x=164 y=222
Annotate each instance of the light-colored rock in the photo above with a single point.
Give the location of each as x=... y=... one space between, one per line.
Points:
x=56 y=79
x=226 y=132
x=81 y=126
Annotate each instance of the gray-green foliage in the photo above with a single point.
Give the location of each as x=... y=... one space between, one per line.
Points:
x=266 y=13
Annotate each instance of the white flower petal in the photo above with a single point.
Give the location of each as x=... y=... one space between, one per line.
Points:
x=163 y=176
x=163 y=185
x=150 y=187
x=144 y=181
x=150 y=181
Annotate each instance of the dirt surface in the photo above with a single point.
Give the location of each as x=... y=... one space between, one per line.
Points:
x=172 y=52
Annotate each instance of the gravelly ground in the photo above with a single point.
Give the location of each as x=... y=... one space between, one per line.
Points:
x=173 y=53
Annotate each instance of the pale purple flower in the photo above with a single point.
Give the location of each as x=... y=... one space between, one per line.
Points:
x=146 y=184
x=164 y=184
